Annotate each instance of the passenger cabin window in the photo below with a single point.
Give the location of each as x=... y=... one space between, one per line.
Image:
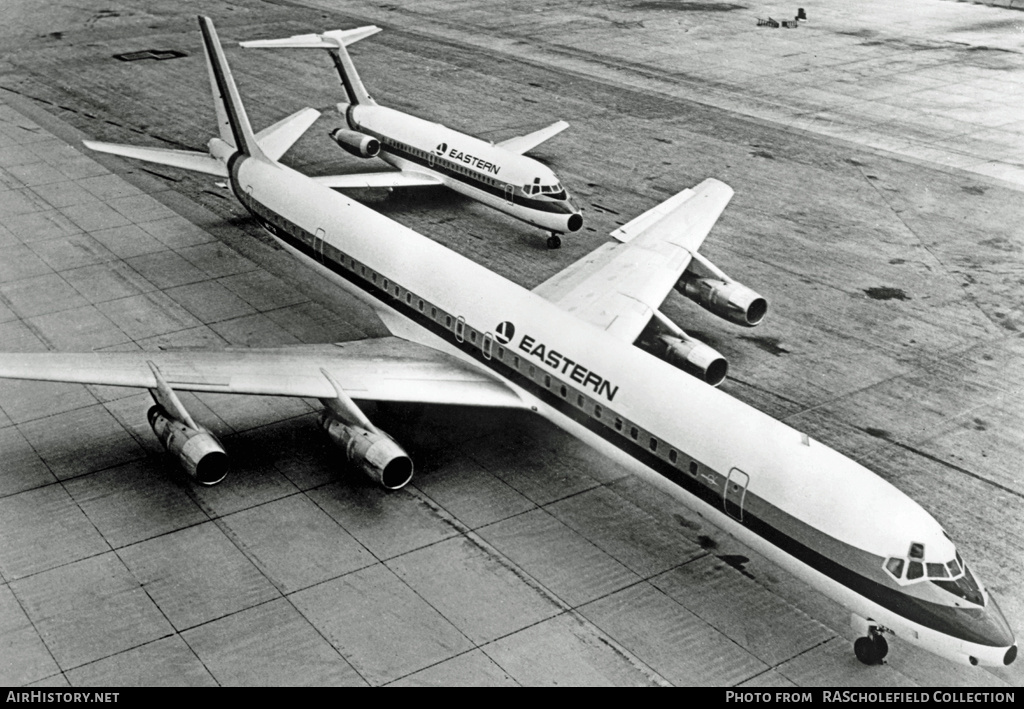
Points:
x=634 y=433
x=597 y=411
x=673 y=456
x=618 y=424
x=654 y=444
x=693 y=468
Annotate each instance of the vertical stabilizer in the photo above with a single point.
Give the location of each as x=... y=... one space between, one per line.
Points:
x=231 y=119
x=349 y=76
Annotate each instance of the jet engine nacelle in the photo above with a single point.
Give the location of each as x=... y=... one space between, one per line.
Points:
x=727 y=299
x=376 y=455
x=696 y=358
x=356 y=143
x=198 y=451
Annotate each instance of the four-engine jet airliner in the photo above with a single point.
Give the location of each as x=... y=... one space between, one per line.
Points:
x=567 y=351
x=426 y=153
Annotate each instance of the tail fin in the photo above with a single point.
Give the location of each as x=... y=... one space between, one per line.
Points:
x=335 y=42
x=231 y=119
x=350 y=77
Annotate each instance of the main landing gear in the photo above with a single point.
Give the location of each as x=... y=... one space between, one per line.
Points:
x=554 y=241
x=872 y=648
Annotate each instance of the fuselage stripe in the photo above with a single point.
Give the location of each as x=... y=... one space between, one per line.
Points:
x=472 y=342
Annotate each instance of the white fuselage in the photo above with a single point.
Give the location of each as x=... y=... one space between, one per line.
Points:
x=499 y=178
x=818 y=514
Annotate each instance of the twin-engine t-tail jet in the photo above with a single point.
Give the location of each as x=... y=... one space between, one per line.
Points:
x=426 y=153
x=566 y=351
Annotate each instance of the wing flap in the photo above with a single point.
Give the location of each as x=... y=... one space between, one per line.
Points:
x=384 y=369
x=525 y=143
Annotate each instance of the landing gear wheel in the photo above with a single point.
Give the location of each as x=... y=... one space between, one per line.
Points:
x=554 y=242
x=871 y=650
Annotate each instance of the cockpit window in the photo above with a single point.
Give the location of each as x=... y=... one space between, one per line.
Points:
x=917 y=570
x=965 y=587
x=556 y=190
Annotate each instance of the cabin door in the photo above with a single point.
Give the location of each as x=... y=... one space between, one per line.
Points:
x=510 y=192
x=735 y=492
x=318 y=245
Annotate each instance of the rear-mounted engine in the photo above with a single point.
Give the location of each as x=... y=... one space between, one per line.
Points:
x=356 y=143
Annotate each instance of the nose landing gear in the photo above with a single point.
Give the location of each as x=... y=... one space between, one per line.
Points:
x=872 y=648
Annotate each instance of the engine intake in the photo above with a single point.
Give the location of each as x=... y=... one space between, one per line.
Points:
x=198 y=451
x=356 y=143
x=375 y=453
x=727 y=299
x=696 y=358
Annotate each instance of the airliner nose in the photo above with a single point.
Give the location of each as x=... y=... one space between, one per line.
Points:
x=990 y=629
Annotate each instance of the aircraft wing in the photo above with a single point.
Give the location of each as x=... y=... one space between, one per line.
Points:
x=618 y=286
x=526 y=143
x=379 y=179
x=381 y=369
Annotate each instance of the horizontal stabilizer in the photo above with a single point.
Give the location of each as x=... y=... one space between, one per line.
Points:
x=525 y=143
x=378 y=179
x=275 y=140
x=185 y=159
x=328 y=40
